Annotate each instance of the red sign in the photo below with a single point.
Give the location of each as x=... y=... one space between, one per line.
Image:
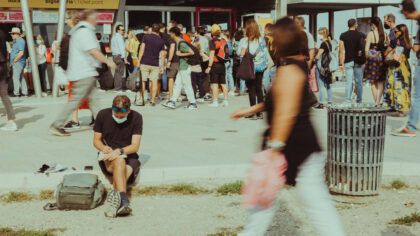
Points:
x=214 y=9
x=11 y=16
x=7 y=16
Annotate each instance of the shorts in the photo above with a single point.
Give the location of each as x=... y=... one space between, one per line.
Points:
x=218 y=73
x=171 y=72
x=149 y=72
x=131 y=160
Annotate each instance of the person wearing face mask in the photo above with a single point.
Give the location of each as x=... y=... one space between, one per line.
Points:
x=389 y=24
x=118 y=132
x=41 y=58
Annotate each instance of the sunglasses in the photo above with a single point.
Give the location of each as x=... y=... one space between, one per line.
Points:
x=117 y=109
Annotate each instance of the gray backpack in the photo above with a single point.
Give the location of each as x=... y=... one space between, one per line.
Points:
x=79 y=192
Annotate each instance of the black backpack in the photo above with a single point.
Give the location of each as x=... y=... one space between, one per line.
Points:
x=325 y=61
x=195 y=59
x=64 y=52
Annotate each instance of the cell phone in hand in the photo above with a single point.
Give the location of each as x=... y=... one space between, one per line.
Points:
x=101 y=156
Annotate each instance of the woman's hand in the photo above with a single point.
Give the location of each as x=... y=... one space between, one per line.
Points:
x=240 y=113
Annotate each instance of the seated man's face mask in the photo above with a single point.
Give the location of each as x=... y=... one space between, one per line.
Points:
x=121 y=110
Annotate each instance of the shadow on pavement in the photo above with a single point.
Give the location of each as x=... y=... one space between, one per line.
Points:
x=22 y=122
x=284 y=223
x=396 y=230
x=395 y=124
x=16 y=110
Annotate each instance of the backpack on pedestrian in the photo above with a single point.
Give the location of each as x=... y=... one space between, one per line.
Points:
x=361 y=55
x=195 y=59
x=329 y=62
x=81 y=191
x=261 y=59
x=222 y=50
x=65 y=49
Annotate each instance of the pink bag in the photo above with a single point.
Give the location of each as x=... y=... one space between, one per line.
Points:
x=313 y=82
x=265 y=179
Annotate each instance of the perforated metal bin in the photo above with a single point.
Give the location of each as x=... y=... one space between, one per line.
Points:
x=356 y=138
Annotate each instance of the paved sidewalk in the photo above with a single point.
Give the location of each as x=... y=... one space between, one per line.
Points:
x=176 y=144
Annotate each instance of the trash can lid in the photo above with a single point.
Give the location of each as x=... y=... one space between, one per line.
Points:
x=357 y=108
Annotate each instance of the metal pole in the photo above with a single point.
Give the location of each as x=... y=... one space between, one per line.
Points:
x=126 y=20
x=163 y=17
x=168 y=17
x=192 y=22
x=281 y=8
x=31 y=47
x=60 y=32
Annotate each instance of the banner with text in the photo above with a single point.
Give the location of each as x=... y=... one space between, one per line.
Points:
x=71 y=4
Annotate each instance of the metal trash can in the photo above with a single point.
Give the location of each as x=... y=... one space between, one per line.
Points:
x=356 y=139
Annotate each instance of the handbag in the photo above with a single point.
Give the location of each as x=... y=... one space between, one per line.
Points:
x=266 y=178
x=246 y=70
x=312 y=80
x=394 y=58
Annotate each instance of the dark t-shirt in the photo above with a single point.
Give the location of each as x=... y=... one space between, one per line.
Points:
x=213 y=47
x=118 y=135
x=351 y=41
x=168 y=41
x=325 y=46
x=154 y=44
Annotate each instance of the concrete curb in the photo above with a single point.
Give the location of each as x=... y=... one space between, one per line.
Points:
x=158 y=176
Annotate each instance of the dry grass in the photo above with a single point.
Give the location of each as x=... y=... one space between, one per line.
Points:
x=408 y=220
x=22 y=232
x=17 y=197
x=230 y=188
x=46 y=195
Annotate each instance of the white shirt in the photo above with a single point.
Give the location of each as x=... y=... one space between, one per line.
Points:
x=311 y=42
x=118 y=45
x=41 y=56
x=81 y=63
x=253 y=46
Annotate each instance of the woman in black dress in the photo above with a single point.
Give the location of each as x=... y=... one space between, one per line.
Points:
x=288 y=105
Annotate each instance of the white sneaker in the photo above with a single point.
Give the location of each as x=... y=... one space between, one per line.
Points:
x=9 y=127
x=214 y=104
x=232 y=93
x=225 y=103
x=200 y=100
x=44 y=94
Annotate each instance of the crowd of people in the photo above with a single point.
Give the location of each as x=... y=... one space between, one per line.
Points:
x=205 y=67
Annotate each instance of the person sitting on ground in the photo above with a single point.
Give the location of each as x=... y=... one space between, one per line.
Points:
x=118 y=132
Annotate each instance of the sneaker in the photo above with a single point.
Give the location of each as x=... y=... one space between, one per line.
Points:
x=231 y=93
x=139 y=100
x=72 y=125
x=58 y=131
x=252 y=117
x=191 y=106
x=318 y=106
x=152 y=104
x=403 y=132
x=214 y=104
x=9 y=127
x=170 y=104
x=225 y=103
x=124 y=209
x=260 y=116
x=200 y=100
x=92 y=123
x=113 y=201
x=44 y=94
x=208 y=98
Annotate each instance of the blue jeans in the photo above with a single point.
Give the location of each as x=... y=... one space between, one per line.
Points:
x=268 y=78
x=322 y=83
x=229 y=75
x=353 y=72
x=415 y=103
x=164 y=77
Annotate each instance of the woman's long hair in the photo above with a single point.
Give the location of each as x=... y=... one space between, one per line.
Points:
x=3 y=48
x=252 y=30
x=324 y=32
x=131 y=35
x=378 y=23
x=405 y=37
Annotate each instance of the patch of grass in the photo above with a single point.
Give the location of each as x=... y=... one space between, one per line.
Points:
x=22 y=232
x=186 y=189
x=398 y=184
x=17 y=197
x=408 y=220
x=230 y=188
x=148 y=191
x=46 y=195
x=224 y=233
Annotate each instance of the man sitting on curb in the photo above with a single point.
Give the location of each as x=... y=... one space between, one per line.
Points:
x=118 y=132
